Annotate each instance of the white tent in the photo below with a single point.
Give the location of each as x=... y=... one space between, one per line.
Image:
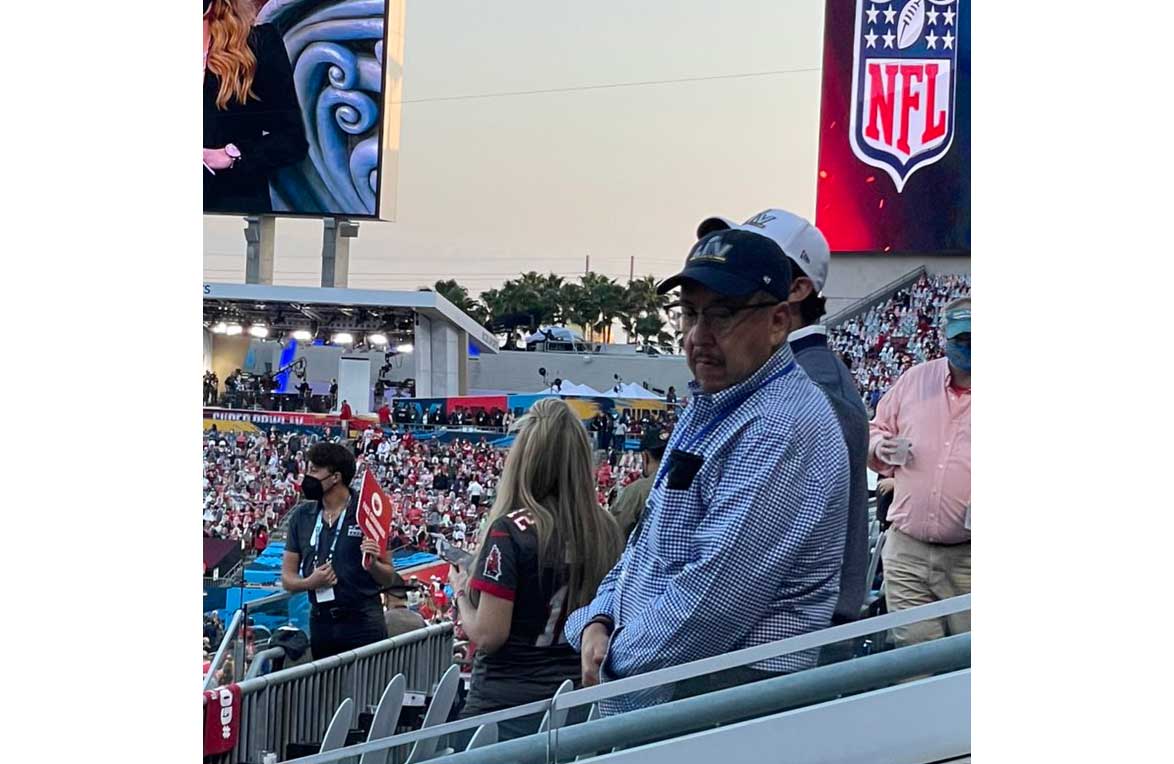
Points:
x=570 y=388
x=632 y=390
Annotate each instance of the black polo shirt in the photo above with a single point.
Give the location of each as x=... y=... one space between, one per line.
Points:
x=355 y=588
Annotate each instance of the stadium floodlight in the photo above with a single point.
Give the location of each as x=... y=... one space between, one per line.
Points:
x=302 y=335
x=405 y=348
x=342 y=338
x=233 y=329
x=220 y=328
x=377 y=339
x=259 y=331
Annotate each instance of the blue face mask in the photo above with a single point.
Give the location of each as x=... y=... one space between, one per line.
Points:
x=958 y=355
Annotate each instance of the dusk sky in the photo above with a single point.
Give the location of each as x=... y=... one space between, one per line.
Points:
x=491 y=186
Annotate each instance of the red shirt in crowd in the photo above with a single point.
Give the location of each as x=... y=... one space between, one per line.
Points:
x=385 y=415
x=345 y=414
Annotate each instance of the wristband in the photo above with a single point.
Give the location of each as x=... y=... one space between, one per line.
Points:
x=607 y=622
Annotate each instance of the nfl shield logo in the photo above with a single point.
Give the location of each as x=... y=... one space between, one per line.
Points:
x=903 y=84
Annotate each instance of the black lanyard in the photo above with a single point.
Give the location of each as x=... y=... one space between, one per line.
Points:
x=725 y=411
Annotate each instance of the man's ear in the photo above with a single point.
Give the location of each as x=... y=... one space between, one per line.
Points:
x=801 y=289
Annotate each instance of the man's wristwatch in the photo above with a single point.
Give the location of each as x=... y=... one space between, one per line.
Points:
x=233 y=153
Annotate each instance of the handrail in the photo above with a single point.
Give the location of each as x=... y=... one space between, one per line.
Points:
x=866 y=302
x=233 y=627
x=290 y=705
x=747 y=655
x=343 y=658
x=636 y=727
x=221 y=651
x=770 y=696
x=261 y=657
x=669 y=675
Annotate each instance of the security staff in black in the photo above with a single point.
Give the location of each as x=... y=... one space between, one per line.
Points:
x=324 y=556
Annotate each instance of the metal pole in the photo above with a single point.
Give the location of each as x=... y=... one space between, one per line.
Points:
x=631 y=269
x=220 y=652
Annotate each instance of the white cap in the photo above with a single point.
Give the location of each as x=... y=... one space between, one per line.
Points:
x=799 y=239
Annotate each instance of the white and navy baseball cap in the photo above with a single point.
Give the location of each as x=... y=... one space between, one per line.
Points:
x=800 y=240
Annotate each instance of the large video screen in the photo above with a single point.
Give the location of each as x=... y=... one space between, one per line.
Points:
x=301 y=107
x=894 y=149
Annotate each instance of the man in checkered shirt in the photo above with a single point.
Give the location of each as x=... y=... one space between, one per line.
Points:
x=751 y=499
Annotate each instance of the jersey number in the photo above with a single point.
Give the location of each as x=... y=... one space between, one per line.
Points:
x=521 y=518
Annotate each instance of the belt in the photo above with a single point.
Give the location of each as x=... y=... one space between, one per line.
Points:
x=932 y=543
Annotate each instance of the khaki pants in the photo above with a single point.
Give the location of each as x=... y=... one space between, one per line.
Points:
x=917 y=573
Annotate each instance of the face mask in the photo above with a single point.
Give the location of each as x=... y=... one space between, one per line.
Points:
x=312 y=488
x=958 y=355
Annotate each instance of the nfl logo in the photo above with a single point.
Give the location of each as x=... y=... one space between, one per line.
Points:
x=903 y=83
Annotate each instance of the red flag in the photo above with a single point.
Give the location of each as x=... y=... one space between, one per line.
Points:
x=221 y=719
x=374 y=513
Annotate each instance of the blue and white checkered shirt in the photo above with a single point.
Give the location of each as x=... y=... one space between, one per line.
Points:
x=750 y=552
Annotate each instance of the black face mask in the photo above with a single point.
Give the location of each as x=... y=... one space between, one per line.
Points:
x=312 y=488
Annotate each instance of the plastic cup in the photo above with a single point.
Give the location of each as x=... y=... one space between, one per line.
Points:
x=901 y=456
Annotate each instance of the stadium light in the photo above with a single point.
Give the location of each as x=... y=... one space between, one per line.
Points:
x=259 y=331
x=233 y=329
x=377 y=339
x=405 y=348
x=342 y=338
x=302 y=335
x=220 y=328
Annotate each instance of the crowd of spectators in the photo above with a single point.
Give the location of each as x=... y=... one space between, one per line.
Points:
x=404 y=413
x=610 y=430
x=881 y=344
x=440 y=488
x=250 y=482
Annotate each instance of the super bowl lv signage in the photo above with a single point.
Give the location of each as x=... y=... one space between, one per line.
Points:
x=894 y=138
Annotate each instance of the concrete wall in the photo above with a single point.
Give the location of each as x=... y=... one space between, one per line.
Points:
x=518 y=371
x=853 y=277
x=229 y=354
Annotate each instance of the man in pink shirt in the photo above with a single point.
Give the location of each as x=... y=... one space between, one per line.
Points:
x=921 y=438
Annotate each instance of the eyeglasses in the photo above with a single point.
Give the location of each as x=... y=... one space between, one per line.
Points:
x=719 y=318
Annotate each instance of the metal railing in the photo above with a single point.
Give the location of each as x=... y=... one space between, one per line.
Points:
x=239 y=619
x=837 y=678
x=732 y=705
x=875 y=297
x=296 y=704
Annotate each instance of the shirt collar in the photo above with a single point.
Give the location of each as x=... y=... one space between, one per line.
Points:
x=781 y=358
x=808 y=337
x=807 y=331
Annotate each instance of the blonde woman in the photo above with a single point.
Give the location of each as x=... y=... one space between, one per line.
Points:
x=545 y=547
x=252 y=125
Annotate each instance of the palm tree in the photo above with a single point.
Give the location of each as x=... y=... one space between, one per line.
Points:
x=640 y=301
x=602 y=302
x=458 y=295
x=573 y=307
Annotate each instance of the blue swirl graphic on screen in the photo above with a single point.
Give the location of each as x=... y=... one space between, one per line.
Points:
x=336 y=50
